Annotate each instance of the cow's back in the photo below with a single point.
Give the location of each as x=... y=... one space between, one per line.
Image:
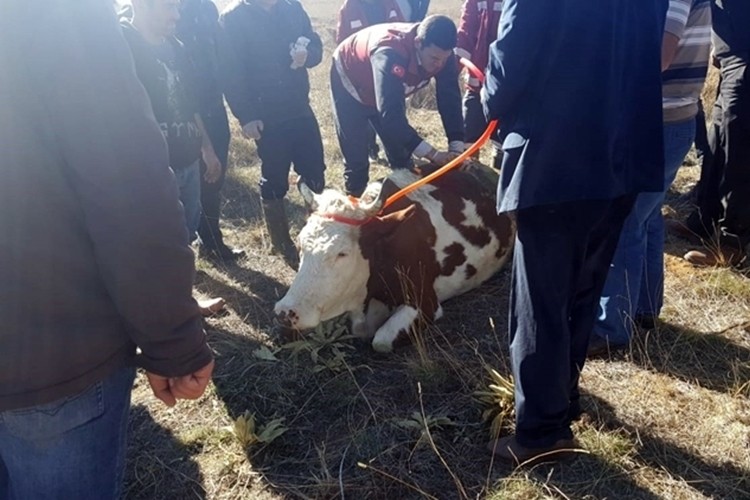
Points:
x=471 y=241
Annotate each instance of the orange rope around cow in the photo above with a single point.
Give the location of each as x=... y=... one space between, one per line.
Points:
x=457 y=161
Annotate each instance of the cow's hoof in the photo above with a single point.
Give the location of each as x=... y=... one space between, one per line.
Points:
x=382 y=347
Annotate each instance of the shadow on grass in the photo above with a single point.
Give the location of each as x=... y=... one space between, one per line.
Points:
x=710 y=359
x=158 y=465
x=710 y=479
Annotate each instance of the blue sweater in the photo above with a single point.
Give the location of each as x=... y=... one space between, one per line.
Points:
x=576 y=87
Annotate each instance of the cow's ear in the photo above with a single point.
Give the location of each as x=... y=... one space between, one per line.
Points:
x=387 y=224
x=309 y=196
x=372 y=199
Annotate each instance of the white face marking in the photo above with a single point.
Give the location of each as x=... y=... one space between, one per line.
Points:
x=333 y=273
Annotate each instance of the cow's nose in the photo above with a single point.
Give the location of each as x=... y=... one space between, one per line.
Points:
x=287 y=317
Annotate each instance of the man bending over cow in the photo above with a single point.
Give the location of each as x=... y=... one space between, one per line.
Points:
x=266 y=49
x=374 y=71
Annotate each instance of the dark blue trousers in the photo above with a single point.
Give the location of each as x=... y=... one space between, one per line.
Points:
x=560 y=263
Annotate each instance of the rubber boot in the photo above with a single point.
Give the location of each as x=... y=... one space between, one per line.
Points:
x=277 y=225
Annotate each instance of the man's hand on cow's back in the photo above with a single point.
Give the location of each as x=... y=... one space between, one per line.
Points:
x=442 y=158
x=170 y=389
x=253 y=129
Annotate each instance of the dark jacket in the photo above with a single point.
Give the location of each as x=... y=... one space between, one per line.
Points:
x=168 y=76
x=731 y=27
x=94 y=258
x=259 y=83
x=576 y=87
x=198 y=30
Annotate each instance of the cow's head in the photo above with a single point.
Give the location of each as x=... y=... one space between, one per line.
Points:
x=333 y=272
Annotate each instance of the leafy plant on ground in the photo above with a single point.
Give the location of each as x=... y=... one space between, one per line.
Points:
x=499 y=398
x=249 y=433
x=326 y=346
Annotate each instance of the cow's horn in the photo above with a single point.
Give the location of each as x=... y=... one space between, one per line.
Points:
x=308 y=195
x=373 y=198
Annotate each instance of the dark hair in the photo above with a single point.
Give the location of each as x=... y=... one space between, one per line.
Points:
x=439 y=31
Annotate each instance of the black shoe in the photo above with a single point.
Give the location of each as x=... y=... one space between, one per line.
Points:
x=645 y=321
x=221 y=253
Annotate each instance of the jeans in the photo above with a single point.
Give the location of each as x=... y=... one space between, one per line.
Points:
x=71 y=448
x=635 y=284
x=189 y=183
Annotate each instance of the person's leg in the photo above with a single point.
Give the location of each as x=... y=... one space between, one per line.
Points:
x=678 y=138
x=189 y=183
x=307 y=155
x=549 y=258
x=352 y=124
x=702 y=148
x=275 y=152
x=735 y=185
x=71 y=448
x=474 y=121
x=599 y=248
x=209 y=231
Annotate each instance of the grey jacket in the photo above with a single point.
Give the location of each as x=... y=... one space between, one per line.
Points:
x=94 y=256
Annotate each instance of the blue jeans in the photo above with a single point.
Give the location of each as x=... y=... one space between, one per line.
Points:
x=189 y=183
x=71 y=448
x=635 y=283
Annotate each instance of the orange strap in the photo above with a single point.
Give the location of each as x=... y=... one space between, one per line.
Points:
x=471 y=67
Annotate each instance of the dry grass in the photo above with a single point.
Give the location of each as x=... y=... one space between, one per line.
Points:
x=669 y=419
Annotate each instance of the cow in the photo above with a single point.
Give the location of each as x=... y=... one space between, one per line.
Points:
x=391 y=271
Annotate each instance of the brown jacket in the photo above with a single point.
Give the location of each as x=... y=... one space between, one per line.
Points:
x=94 y=256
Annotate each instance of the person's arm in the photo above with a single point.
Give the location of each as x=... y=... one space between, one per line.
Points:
x=213 y=165
x=674 y=29
x=117 y=162
x=468 y=29
x=315 y=46
x=388 y=70
x=449 y=104
x=238 y=91
x=525 y=26
x=344 y=27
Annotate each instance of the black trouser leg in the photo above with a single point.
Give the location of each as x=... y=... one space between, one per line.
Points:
x=275 y=152
x=560 y=264
x=474 y=121
x=217 y=128
x=352 y=131
x=307 y=154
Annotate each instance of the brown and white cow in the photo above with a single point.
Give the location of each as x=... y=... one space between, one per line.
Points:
x=391 y=271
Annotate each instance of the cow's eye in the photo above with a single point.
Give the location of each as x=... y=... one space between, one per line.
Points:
x=342 y=254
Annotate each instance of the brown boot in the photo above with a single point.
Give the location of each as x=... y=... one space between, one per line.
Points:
x=726 y=256
x=277 y=225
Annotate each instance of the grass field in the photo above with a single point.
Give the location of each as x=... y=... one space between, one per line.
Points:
x=327 y=418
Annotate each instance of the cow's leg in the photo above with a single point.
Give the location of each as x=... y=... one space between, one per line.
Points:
x=365 y=324
x=399 y=323
x=439 y=312
x=359 y=325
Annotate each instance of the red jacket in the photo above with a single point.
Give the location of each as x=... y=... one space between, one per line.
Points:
x=476 y=31
x=353 y=17
x=378 y=67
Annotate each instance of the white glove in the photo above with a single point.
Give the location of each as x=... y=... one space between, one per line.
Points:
x=298 y=51
x=253 y=129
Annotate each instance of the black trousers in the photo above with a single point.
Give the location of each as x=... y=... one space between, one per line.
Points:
x=217 y=129
x=475 y=122
x=296 y=142
x=560 y=263
x=702 y=147
x=353 y=120
x=724 y=195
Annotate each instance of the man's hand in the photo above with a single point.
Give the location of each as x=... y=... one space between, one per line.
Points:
x=213 y=166
x=441 y=158
x=253 y=129
x=299 y=57
x=192 y=386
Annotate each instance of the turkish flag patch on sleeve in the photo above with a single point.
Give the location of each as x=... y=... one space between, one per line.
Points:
x=398 y=70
